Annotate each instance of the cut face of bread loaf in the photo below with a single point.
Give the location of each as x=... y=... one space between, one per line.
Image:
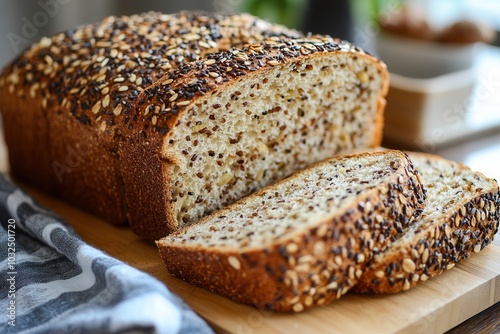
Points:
x=162 y=119
x=460 y=217
x=302 y=241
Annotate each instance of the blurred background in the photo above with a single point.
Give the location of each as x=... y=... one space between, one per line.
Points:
x=443 y=55
x=25 y=22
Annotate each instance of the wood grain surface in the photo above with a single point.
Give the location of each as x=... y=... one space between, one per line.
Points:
x=435 y=306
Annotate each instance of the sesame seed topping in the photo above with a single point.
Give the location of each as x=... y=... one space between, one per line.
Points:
x=298 y=307
x=118 y=110
x=97 y=107
x=173 y=97
x=105 y=101
x=408 y=265
x=183 y=103
x=140 y=49
x=234 y=262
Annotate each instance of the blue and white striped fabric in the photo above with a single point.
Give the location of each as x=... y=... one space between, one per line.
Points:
x=52 y=282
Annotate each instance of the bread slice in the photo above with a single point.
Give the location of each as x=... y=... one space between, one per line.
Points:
x=302 y=241
x=460 y=217
x=162 y=119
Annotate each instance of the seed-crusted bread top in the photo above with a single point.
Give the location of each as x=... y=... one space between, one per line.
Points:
x=100 y=72
x=460 y=217
x=184 y=113
x=97 y=71
x=302 y=241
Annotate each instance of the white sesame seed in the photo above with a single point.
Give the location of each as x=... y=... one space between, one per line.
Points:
x=298 y=307
x=154 y=120
x=332 y=286
x=105 y=101
x=204 y=45
x=408 y=265
x=173 y=97
x=234 y=262
x=292 y=248
x=209 y=62
x=97 y=107
x=167 y=82
x=123 y=89
x=103 y=126
x=118 y=110
x=183 y=103
x=104 y=62
x=119 y=79
x=273 y=62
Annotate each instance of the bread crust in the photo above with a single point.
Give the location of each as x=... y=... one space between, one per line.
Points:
x=273 y=278
x=99 y=98
x=460 y=233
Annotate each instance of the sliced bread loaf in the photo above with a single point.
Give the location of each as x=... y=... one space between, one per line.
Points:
x=460 y=217
x=302 y=241
x=162 y=119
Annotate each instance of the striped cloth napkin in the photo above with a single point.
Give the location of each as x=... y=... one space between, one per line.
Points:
x=53 y=282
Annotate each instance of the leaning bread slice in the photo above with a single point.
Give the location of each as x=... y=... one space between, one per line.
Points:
x=303 y=241
x=460 y=217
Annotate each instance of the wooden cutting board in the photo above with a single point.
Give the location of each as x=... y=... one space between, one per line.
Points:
x=433 y=307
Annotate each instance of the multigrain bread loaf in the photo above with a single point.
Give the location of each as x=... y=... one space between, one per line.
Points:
x=302 y=241
x=161 y=119
x=459 y=218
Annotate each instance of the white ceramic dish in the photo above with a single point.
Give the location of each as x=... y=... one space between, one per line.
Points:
x=426 y=114
x=424 y=59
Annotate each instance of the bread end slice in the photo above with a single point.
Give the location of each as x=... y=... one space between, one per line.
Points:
x=303 y=241
x=460 y=217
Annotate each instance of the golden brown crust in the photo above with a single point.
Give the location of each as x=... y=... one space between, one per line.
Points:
x=119 y=82
x=143 y=174
x=309 y=267
x=458 y=234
